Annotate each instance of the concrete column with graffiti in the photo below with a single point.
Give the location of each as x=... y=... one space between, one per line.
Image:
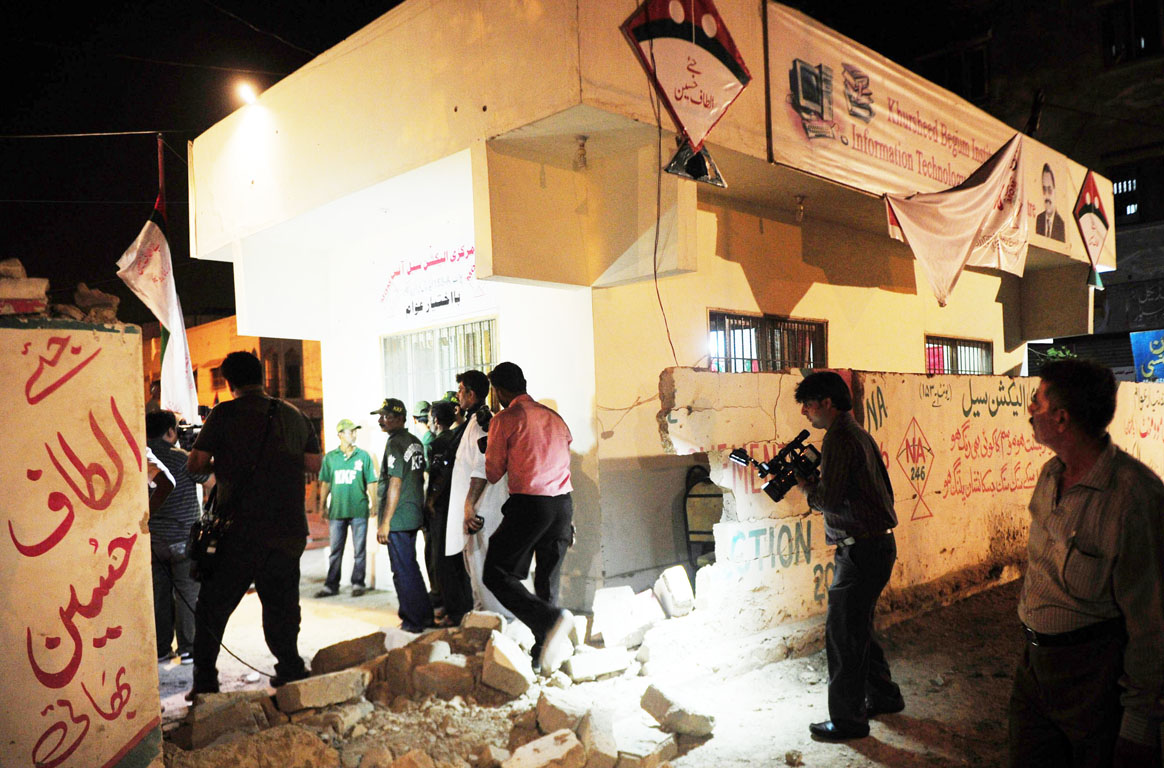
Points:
x=77 y=633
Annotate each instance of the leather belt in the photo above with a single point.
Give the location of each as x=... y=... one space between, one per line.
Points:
x=849 y=541
x=1074 y=637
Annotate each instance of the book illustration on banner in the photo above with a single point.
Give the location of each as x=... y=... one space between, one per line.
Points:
x=696 y=69
x=1091 y=218
x=810 y=92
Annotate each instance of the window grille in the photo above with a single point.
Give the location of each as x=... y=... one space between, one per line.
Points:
x=424 y=365
x=946 y=355
x=754 y=343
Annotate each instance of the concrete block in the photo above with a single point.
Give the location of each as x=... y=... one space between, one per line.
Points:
x=377 y=756
x=612 y=606
x=444 y=679
x=485 y=619
x=560 y=749
x=349 y=653
x=596 y=732
x=519 y=737
x=469 y=640
x=439 y=651
x=323 y=690
x=641 y=744
x=201 y=729
x=673 y=589
x=490 y=756
x=12 y=268
x=506 y=666
x=352 y=713
x=676 y=715
x=519 y=632
x=399 y=667
x=561 y=709
x=414 y=759
x=24 y=288
x=597 y=663
x=580 y=632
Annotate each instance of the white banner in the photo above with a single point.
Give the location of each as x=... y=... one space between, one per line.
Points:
x=146 y=268
x=979 y=223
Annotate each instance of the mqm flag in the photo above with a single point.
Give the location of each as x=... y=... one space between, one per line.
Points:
x=1093 y=227
x=979 y=223
x=146 y=268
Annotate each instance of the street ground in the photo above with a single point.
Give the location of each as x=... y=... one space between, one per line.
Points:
x=954 y=666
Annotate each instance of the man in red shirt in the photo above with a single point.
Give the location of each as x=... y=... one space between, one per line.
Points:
x=532 y=443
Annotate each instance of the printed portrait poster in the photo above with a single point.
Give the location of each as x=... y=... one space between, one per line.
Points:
x=77 y=648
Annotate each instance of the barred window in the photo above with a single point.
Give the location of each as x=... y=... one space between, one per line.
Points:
x=755 y=343
x=424 y=365
x=947 y=355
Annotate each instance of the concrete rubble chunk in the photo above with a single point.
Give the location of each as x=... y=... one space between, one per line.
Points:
x=24 y=288
x=519 y=632
x=414 y=759
x=469 y=640
x=484 y=619
x=642 y=744
x=673 y=589
x=595 y=664
x=439 y=651
x=560 y=749
x=612 y=605
x=519 y=737
x=580 y=632
x=444 y=679
x=287 y=745
x=490 y=756
x=596 y=732
x=320 y=691
x=12 y=268
x=561 y=709
x=221 y=713
x=377 y=756
x=349 y=653
x=400 y=664
x=352 y=713
x=676 y=715
x=506 y=666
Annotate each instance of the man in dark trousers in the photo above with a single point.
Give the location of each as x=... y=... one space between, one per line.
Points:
x=855 y=497
x=175 y=590
x=400 y=511
x=259 y=449
x=446 y=570
x=1089 y=688
x=531 y=443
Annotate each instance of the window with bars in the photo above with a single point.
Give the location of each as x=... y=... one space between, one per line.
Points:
x=755 y=343
x=947 y=355
x=424 y=365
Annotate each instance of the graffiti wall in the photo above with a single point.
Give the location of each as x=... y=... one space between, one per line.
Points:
x=959 y=453
x=77 y=634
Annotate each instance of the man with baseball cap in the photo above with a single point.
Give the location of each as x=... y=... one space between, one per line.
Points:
x=349 y=474
x=531 y=443
x=400 y=510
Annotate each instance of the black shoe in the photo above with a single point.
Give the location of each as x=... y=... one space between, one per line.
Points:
x=195 y=690
x=535 y=658
x=186 y=658
x=327 y=592
x=881 y=707
x=830 y=731
x=358 y=590
x=281 y=680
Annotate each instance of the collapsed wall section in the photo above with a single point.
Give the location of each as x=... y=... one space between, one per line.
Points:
x=960 y=456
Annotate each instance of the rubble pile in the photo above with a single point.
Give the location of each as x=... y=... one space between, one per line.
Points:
x=19 y=293
x=463 y=697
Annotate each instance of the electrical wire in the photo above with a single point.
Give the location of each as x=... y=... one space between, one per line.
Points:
x=659 y=199
x=241 y=20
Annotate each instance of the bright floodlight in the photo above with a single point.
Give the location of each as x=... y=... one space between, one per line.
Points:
x=246 y=92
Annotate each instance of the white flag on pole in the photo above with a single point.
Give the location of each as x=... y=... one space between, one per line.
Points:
x=148 y=271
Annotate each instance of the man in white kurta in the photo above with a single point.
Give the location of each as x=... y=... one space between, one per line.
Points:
x=470 y=495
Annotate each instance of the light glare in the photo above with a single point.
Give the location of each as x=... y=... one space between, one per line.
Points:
x=246 y=92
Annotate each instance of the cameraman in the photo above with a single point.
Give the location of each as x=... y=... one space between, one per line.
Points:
x=856 y=498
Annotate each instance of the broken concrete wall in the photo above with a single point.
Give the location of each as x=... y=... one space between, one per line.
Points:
x=960 y=455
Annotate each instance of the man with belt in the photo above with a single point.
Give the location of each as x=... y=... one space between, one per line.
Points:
x=1088 y=688
x=531 y=443
x=856 y=498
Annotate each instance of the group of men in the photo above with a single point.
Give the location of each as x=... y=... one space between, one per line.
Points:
x=498 y=496
x=1089 y=686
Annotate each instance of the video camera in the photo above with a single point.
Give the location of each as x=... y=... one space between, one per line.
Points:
x=796 y=459
x=187 y=434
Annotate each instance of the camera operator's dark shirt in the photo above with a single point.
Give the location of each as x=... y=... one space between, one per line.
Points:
x=854 y=492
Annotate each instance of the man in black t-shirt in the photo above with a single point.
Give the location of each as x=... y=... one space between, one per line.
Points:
x=259 y=450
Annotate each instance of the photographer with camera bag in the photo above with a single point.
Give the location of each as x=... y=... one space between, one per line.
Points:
x=259 y=449
x=856 y=499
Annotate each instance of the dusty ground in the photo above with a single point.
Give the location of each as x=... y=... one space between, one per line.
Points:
x=954 y=666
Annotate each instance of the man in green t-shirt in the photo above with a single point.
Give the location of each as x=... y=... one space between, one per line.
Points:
x=348 y=473
x=399 y=508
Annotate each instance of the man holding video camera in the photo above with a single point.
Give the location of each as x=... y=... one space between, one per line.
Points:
x=856 y=498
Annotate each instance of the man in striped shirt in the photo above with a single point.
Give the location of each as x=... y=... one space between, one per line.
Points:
x=175 y=591
x=1088 y=689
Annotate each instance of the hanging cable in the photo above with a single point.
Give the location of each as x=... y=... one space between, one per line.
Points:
x=241 y=20
x=655 y=106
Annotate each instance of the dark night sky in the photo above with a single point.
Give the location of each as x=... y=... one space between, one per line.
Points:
x=69 y=207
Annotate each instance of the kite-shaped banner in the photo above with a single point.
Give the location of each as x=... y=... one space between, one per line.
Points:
x=692 y=60
x=1092 y=222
